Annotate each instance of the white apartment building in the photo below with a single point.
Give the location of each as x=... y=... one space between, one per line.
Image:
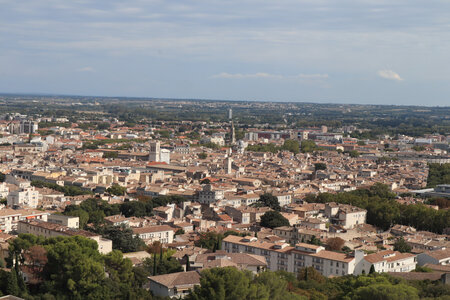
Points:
x=283 y=198
x=281 y=256
x=161 y=233
x=24 y=197
x=385 y=261
x=4 y=190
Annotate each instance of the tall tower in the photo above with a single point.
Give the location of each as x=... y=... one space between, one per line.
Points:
x=230 y=114
x=155 y=151
x=232 y=134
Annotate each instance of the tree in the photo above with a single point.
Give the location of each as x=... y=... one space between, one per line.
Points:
x=310 y=274
x=314 y=241
x=308 y=146
x=353 y=153
x=210 y=240
x=272 y=219
x=291 y=145
x=335 y=244
x=372 y=269
x=123 y=238
x=134 y=209
x=202 y=155
x=269 y=200
x=12 y=287
x=386 y=292
x=320 y=166
x=117 y=190
x=222 y=283
x=401 y=245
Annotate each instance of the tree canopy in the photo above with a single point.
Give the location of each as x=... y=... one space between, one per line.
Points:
x=272 y=219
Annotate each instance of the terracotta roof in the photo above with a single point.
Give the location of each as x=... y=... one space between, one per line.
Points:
x=439 y=254
x=152 y=229
x=177 y=279
x=387 y=255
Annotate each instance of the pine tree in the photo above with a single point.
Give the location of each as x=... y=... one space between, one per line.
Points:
x=154 y=264
x=372 y=269
x=187 y=263
x=12 y=286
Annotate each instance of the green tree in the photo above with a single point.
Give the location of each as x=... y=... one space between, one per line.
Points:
x=401 y=245
x=117 y=190
x=268 y=200
x=291 y=145
x=320 y=166
x=123 y=238
x=225 y=284
x=272 y=219
x=12 y=287
x=210 y=240
x=308 y=146
x=353 y=153
x=203 y=155
x=386 y=292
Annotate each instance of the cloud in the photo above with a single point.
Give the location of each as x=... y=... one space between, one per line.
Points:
x=389 y=74
x=86 y=69
x=271 y=76
x=244 y=76
x=312 y=76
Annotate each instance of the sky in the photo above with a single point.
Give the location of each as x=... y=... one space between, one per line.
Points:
x=367 y=51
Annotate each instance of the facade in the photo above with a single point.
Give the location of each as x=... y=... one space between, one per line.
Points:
x=346 y=216
x=385 y=261
x=437 y=257
x=69 y=221
x=161 y=233
x=25 y=197
x=209 y=194
x=281 y=256
x=48 y=230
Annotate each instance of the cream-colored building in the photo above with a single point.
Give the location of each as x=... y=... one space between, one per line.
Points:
x=161 y=233
x=24 y=197
x=281 y=256
x=69 y=221
x=48 y=230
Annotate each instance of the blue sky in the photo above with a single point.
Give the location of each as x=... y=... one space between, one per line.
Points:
x=367 y=51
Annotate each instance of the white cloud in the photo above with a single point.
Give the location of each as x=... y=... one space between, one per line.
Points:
x=243 y=76
x=312 y=76
x=389 y=74
x=86 y=69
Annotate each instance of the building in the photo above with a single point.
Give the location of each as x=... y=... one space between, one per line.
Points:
x=157 y=154
x=24 y=197
x=69 y=221
x=385 y=261
x=210 y=194
x=49 y=230
x=437 y=257
x=280 y=256
x=242 y=261
x=161 y=233
x=174 y=285
x=344 y=215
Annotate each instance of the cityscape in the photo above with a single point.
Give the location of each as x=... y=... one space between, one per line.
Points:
x=224 y=150
x=163 y=200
